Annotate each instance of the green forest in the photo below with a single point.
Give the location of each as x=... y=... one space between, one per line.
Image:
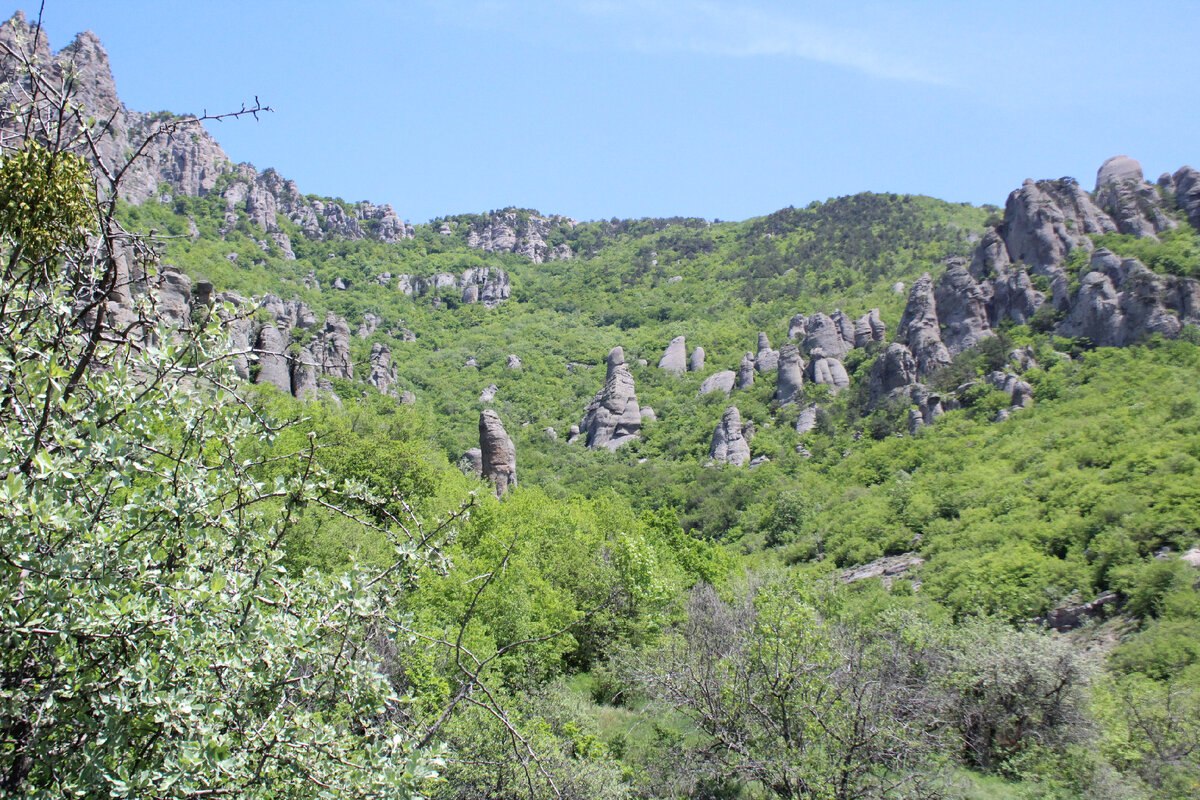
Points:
x=214 y=589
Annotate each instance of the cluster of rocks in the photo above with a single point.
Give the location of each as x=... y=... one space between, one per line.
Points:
x=516 y=231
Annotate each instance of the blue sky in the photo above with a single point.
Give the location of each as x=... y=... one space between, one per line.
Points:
x=630 y=108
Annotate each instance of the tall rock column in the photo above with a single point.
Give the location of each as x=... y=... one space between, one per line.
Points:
x=614 y=416
x=499 y=457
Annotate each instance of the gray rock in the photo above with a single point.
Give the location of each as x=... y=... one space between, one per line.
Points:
x=648 y=414
x=1023 y=359
x=551 y=434
x=869 y=328
x=829 y=372
x=407 y=398
x=1019 y=391
x=524 y=233
x=807 y=421
x=845 y=328
x=1134 y=205
x=499 y=457
x=719 y=381
x=471 y=462
x=331 y=348
x=766 y=359
x=512 y=362
x=613 y=417
x=894 y=370
x=898 y=287
x=674 y=360
x=382 y=374
x=370 y=323
x=488 y=394
x=488 y=285
x=758 y=461
x=916 y=421
x=919 y=328
x=1046 y=220
x=1013 y=297
x=729 y=445
x=961 y=310
x=990 y=257
x=791 y=375
x=888 y=569
x=273 y=367
x=173 y=297
x=696 y=361
x=829 y=335
x=1187 y=194
x=798 y=327
x=573 y=434
x=746 y=372
x=471 y=363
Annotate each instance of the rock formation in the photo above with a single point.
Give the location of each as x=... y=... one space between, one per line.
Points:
x=791 y=374
x=674 y=360
x=807 y=420
x=1187 y=194
x=696 y=361
x=766 y=359
x=719 y=382
x=471 y=462
x=745 y=377
x=869 y=328
x=519 y=231
x=835 y=337
x=827 y=371
x=729 y=444
x=614 y=417
x=382 y=374
x=919 y=328
x=1134 y=205
x=960 y=309
x=498 y=456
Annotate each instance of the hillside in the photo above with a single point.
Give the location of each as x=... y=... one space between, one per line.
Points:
x=946 y=450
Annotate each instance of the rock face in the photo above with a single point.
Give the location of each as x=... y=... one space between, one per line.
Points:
x=382 y=374
x=674 y=360
x=498 y=456
x=807 y=421
x=919 y=328
x=798 y=327
x=766 y=359
x=719 y=382
x=273 y=368
x=829 y=372
x=519 y=231
x=1134 y=205
x=745 y=377
x=471 y=462
x=961 y=310
x=791 y=374
x=1187 y=194
x=696 y=361
x=614 y=417
x=895 y=369
x=832 y=335
x=869 y=328
x=729 y=444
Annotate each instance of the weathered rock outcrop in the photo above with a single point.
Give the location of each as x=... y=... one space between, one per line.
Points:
x=488 y=285
x=696 y=360
x=745 y=378
x=766 y=359
x=828 y=371
x=498 y=456
x=674 y=360
x=797 y=327
x=1134 y=205
x=729 y=443
x=331 y=347
x=791 y=374
x=273 y=368
x=1187 y=194
x=834 y=335
x=807 y=421
x=614 y=417
x=919 y=328
x=518 y=231
x=719 y=382
x=895 y=369
x=382 y=373
x=869 y=328
x=471 y=462
x=961 y=309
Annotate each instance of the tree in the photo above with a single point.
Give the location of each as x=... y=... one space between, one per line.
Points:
x=784 y=699
x=151 y=642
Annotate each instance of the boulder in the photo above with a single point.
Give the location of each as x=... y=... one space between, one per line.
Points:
x=1013 y=297
x=829 y=372
x=488 y=394
x=791 y=374
x=719 y=381
x=869 y=328
x=674 y=360
x=471 y=462
x=746 y=372
x=512 y=362
x=648 y=414
x=807 y=420
x=696 y=361
x=894 y=370
x=304 y=375
x=829 y=335
x=499 y=457
x=798 y=327
x=729 y=445
x=766 y=359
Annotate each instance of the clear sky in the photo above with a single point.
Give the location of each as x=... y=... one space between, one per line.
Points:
x=629 y=108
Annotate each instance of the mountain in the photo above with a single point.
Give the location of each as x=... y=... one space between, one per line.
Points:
x=943 y=410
